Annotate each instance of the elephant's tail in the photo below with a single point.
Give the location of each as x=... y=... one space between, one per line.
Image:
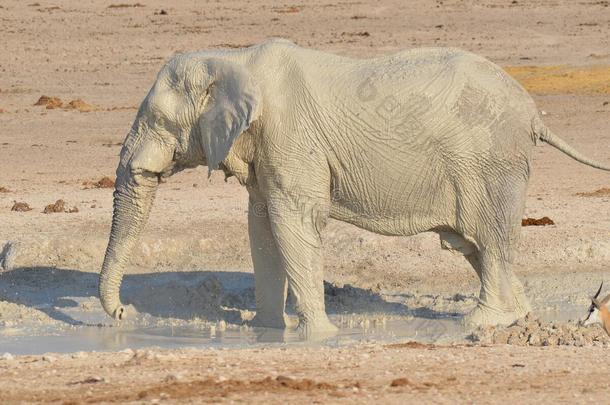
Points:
x=543 y=133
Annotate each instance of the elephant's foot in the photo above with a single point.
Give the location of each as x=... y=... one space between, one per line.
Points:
x=319 y=327
x=484 y=314
x=263 y=320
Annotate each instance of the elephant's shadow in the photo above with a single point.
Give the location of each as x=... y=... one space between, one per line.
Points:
x=209 y=295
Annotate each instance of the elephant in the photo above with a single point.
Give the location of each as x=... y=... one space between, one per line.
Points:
x=425 y=140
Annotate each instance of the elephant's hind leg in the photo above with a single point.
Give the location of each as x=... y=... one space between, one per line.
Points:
x=491 y=214
x=269 y=276
x=455 y=242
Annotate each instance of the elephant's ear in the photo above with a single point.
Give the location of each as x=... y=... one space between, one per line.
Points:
x=232 y=104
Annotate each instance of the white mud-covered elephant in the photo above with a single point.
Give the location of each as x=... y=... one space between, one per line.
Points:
x=434 y=139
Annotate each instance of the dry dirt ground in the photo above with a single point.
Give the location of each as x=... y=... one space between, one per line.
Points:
x=390 y=374
x=99 y=59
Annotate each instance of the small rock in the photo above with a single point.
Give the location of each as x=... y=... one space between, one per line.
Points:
x=49 y=359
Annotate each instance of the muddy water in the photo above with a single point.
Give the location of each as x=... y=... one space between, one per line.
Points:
x=91 y=329
x=95 y=333
x=114 y=339
x=164 y=311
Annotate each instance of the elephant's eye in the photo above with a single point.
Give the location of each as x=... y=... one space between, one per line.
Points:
x=159 y=122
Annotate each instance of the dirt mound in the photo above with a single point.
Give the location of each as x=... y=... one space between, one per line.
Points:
x=537 y=222
x=55 y=102
x=57 y=207
x=49 y=102
x=21 y=207
x=80 y=105
x=4 y=190
x=533 y=332
x=104 y=182
x=602 y=192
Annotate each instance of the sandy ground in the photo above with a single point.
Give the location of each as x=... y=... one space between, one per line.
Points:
x=109 y=56
x=388 y=374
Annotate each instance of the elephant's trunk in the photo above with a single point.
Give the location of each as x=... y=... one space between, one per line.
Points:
x=133 y=198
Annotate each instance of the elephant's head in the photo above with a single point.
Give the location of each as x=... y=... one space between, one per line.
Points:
x=196 y=109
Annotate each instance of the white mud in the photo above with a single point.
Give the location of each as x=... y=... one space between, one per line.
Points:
x=45 y=309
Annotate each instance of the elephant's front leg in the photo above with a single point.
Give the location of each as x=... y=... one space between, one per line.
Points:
x=296 y=227
x=269 y=275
